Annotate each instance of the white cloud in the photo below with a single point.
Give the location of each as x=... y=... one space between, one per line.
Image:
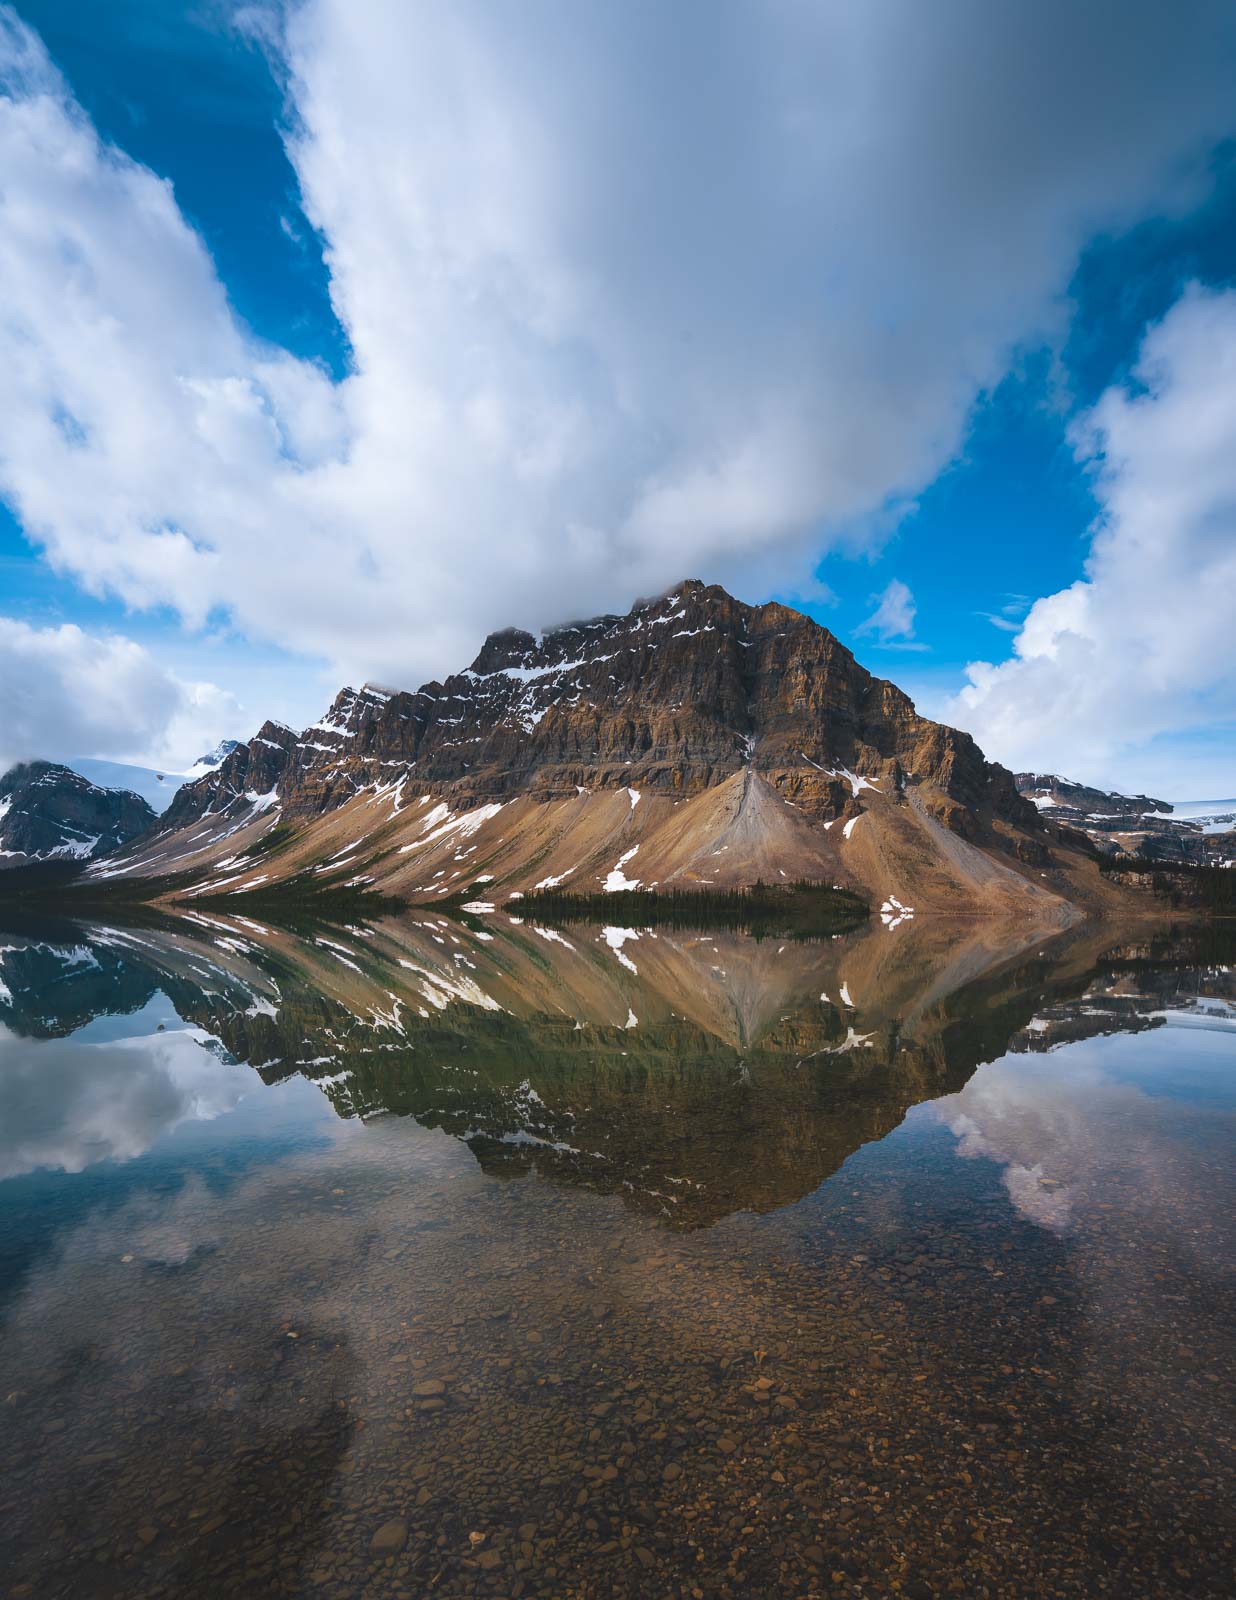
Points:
x=66 y=1105
x=68 y=693
x=893 y=617
x=1069 y=1128
x=631 y=292
x=1143 y=648
x=1008 y=618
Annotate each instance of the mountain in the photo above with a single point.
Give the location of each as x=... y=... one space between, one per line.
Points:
x=156 y=788
x=694 y=741
x=50 y=813
x=720 y=1070
x=1136 y=825
x=212 y=759
x=1049 y=792
x=691 y=1076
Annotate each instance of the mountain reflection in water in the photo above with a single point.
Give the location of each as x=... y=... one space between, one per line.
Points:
x=868 y=1266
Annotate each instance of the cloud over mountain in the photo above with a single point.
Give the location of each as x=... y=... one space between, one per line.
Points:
x=68 y=693
x=628 y=293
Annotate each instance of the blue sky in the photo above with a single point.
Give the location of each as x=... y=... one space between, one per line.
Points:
x=874 y=356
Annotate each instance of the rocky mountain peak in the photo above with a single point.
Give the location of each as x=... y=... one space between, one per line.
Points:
x=509 y=647
x=215 y=757
x=680 y=693
x=351 y=708
x=51 y=813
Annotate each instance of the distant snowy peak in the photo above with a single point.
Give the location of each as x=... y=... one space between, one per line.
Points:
x=1210 y=813
x=50 y=813
x=1048 y=791
x=157 y=787
x=215 y=758
x=1134 y=824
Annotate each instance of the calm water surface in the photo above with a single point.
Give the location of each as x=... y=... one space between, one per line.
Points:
x=430 y=1260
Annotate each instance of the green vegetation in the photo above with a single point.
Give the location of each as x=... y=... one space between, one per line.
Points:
x=301 y=902
x=1180 y=884
x=57 y=887
x=801 y=910
x=270 y=844
x=64 y=889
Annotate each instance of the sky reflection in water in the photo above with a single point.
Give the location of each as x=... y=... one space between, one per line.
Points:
x=722 y=1300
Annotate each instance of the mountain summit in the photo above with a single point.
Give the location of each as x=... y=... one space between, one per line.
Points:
x=714 y=741
x=50 y=813
x=213 y=758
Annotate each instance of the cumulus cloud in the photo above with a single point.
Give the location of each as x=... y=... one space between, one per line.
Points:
x=1143 y=646
x=1068 y=1129
x=68 y=693
x=630 y=292
x=893 y=617
x=67 y=1105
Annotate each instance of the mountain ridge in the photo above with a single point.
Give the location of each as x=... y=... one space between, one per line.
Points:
x=677 y=717
x=709 y=741
x=1050 y=789
x=48 y=812
x=1135 y=825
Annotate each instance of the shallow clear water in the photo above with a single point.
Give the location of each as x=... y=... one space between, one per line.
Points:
x=424 y=1260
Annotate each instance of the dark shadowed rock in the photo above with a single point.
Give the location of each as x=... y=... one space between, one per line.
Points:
x=50 y=813
x=679 y=694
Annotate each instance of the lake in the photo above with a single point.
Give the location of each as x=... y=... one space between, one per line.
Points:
x=479 y=1258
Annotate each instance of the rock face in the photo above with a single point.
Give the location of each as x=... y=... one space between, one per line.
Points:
x=50 y=813
x=218 y=755
x=679 y=695
x=1049 y=792
x=1135 y=825
x=694 y=741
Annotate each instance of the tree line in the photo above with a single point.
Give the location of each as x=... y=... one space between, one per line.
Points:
x=800 y=909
